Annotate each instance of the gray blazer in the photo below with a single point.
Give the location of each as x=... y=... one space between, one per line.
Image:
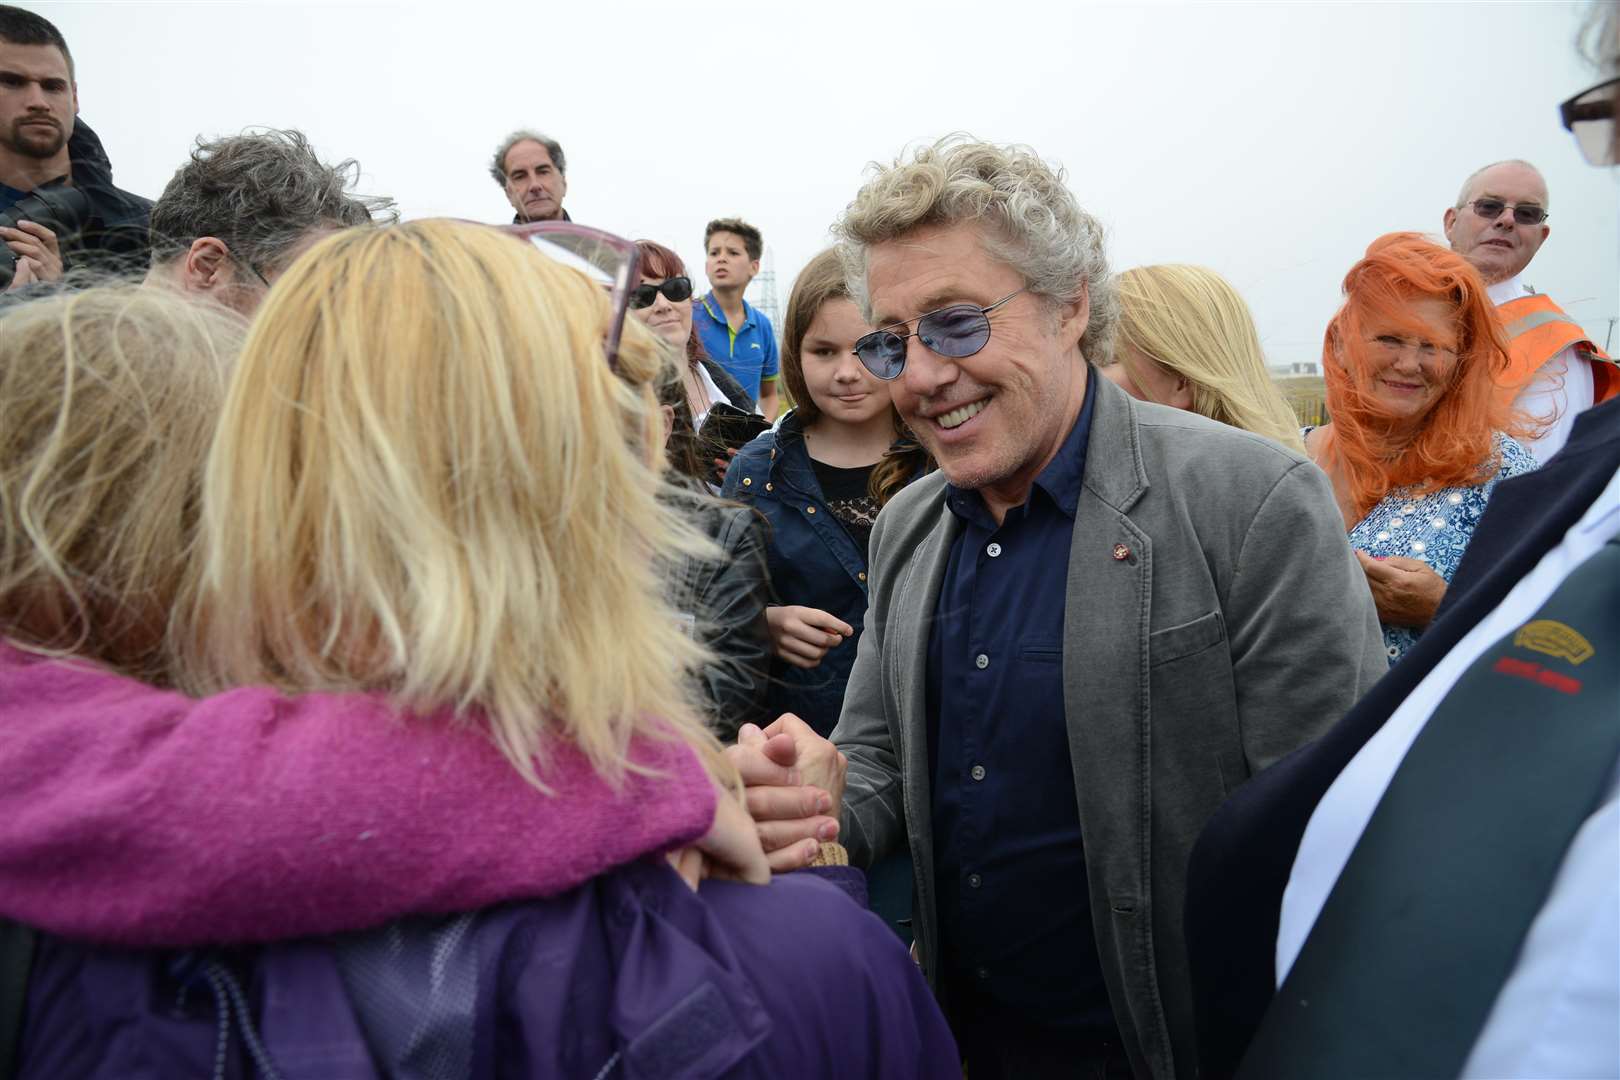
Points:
x=1236 y=627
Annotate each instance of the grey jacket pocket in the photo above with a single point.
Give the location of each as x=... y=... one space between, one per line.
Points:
x=1175 y=642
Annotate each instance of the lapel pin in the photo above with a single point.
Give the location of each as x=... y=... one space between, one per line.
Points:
x=1121 y=552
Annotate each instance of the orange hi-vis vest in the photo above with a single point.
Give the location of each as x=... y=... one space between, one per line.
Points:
x=1537 y=331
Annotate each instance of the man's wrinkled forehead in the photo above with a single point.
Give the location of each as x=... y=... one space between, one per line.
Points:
x=935 y=250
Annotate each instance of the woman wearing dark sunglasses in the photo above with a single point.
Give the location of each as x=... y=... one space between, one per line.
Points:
x=663 y=301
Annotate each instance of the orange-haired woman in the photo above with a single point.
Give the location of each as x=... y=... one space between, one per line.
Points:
x=1419 y=438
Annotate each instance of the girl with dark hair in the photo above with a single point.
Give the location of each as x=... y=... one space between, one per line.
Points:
x=820 y=479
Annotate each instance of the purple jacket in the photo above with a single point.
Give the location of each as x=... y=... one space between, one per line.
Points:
x=631 y=975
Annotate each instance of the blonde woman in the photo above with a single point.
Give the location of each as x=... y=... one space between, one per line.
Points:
x=422 y=488
x=134 y=814
x=1186 y=339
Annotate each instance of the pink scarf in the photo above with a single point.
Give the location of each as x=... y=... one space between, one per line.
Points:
x=143 y=817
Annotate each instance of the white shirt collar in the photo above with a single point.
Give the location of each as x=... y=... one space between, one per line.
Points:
x=1511 y=289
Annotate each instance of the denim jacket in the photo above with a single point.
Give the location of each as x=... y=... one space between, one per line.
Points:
x=813 y=562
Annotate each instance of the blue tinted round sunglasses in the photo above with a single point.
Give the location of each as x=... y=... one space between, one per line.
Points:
x=955 y=332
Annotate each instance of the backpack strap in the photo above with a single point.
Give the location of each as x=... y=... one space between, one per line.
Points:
x=16 y=957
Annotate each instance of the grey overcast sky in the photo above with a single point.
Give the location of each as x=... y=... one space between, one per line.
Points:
x=1270 y=142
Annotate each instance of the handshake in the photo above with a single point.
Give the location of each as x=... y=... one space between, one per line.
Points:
x=793 y=788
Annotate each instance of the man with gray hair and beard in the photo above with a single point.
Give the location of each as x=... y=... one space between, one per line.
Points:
x=238 y=213
x=1096 y=619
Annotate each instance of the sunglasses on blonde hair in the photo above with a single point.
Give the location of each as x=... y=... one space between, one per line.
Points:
x=610 y=261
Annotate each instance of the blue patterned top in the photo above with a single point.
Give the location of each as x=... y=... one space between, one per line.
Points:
x=1434 y=528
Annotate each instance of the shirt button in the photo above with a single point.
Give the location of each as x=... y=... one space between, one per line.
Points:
x=981 y=661
x=809 y=509
x=861 y=575
x=983 y=973
x=977 y=772
x=768 y=487
x=993 y=550
x=747 y=481
x=974 y=881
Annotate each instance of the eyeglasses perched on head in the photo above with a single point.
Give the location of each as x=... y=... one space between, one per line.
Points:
x=610 y=261
x=1523 y=213
x=675 y=290
x=1589 y=116
x=954 y=332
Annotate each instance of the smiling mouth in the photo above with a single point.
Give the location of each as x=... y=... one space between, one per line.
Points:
x=959 y=416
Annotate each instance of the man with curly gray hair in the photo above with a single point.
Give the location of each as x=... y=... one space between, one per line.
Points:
x=244 y=206
x=1095 y=619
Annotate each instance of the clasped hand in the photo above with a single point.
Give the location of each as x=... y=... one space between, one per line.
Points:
x=795 y=788
x=794 y=784
x=1406 y=592
x=39 y=257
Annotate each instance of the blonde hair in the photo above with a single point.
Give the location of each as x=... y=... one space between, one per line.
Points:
x=1192 y=322
x=427 y=482
x=108 y=399
x=1030 y=221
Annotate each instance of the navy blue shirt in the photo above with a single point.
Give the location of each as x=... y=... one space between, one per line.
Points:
x=10 y=196
x=1015 y=917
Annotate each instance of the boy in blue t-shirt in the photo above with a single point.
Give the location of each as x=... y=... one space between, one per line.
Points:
x=733 y=331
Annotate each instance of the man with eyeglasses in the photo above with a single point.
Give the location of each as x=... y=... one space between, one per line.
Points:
x=244 y=206
x=1096 y=619
x=47 y=152
x=1498 y=224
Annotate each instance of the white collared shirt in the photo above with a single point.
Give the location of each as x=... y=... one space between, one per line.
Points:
x=1560 y=390
x=1558 y=1014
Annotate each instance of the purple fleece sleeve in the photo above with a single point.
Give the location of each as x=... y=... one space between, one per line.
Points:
x=143 y=817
